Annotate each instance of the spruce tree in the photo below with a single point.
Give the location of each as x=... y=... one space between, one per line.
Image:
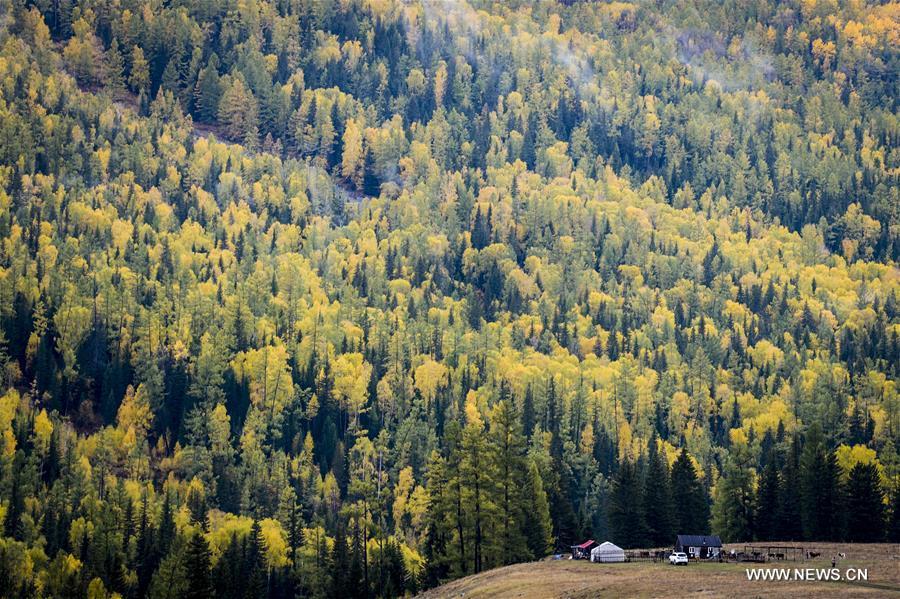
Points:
x=893 y=529
x=479 y=484
x=139 y=78
x=207 y=91
x=820 y=489
x=340 y=565
x=294 y=529
x=255 y=562
x=507 y=447
x=197 y=569
x=537 y=525
x=481 y=233
x=371 y=184
x=768 y=502
x=229 y=572
x=528 y=412
x=626 y=518
x=865 y=505
x=733 y=505
x=355 y=581
x=657 y=498
x=436 y=529
x=789 y=521
x=455 y=505
x=336 y=151
x=115 y=67
x=166 y=525
x=688 y=493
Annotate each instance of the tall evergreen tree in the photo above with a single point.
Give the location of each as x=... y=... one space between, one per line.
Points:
x=537 y=525
x=657 y=498
x=228 y=574
x=115 y=67
x=733 y=505
x=820 y=489
x=255 y=563
x=371 y=184
x=528 y=412
x=768 y=502
x=437 y=531
x=865 y=505
x=479 y=485
x=340 y=565
x=507 y=447
x=626 y=518
x=789 y=521
x=688 y=493
x=893 y=529
x=208 y=91
x=197 y=569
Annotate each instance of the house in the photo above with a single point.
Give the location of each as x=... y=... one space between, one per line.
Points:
x=699 y=546
x=607 y=553
x=583 y=551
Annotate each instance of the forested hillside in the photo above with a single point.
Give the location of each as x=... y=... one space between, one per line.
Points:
x=350 y=298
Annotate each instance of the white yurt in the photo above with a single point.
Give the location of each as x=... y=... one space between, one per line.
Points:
x=606 y=553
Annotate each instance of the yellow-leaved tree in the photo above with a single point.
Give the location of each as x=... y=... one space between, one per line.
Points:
x=351 y=380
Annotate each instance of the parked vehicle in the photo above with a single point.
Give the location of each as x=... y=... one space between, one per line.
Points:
x=678 y=559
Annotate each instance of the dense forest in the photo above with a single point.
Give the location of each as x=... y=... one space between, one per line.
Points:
x=350 y=298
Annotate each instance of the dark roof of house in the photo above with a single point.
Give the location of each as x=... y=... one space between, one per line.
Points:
x=698 y=541
x=585 y=545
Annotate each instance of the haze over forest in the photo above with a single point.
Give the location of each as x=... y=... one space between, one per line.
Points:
x=353 y=298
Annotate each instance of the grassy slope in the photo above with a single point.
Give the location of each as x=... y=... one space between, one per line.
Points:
x=582 y=579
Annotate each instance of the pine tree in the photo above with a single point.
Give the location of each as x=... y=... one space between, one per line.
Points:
x=294 y=529
x=238 y=111
x=340 y=565
x=768 y=502
x=145 y=558
x=481 y=229
x=893 y=529
x=115 y=67
x=166 y=525
x=16 y=504
x=197 y=568
x=865 y=505
x=336 y=151
x=657 y=498
x=528 y=413
x=733 y=505
x=507 y=447
x=437 y=531
x=692 y=515
x=255 y=562
x=228 y=573
x=139 y=79
x=478 y=480
x=626 y=517
x=371 y=184
x=196 y=501
x=820 y=489
x=455 y=505
x=207 y=91
x=355 y=581
x=789 y=521
x=537 y=525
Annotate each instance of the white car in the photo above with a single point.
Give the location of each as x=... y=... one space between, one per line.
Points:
x=678 y=559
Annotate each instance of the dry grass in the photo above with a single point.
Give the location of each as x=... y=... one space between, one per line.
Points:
x=582 y=579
